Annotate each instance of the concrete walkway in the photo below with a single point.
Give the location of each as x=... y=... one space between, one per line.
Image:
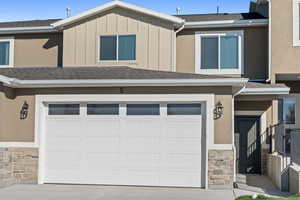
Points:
x=79 y=192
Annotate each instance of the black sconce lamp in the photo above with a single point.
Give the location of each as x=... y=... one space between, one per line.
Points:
x=24 y=111
x=218 y=111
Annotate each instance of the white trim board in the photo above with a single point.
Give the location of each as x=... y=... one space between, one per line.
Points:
x=113 y=4
x=38 y=29
x=227 y=23
x=17 y=83
x=265 y=91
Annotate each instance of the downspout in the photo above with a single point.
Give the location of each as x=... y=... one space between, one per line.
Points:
x=175 y=46
x=270 y=43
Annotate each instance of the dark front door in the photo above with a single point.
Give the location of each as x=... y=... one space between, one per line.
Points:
x=248 y=146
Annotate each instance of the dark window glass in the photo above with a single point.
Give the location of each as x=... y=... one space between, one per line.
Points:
x=4 y=53
x=127 y=47
x=229 y=52
x=108 y=47
x=289 y=111
x=184 y=109
x=64 y=109
x=143 y=109
x=209 y=53
x=103 y=109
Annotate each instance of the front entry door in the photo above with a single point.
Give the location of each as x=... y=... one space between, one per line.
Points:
x=248 y=145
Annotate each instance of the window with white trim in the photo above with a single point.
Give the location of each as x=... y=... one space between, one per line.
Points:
x=117 y=48
x=287 y=110
x=219 y=52
x=6 y=52
x=296 y=22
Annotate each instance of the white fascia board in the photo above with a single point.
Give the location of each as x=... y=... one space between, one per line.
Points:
x=38 y=29
x=265 y=91
x=227 y=23
x=16 y=83
x=113 y=4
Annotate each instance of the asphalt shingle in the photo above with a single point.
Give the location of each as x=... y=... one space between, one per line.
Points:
x=31 y=23
x=84 y=73
x=221 y=16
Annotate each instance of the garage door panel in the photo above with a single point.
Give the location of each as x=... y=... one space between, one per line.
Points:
x=142 y=178
x=187 y=129
x=102 y=145
x=182 y=162
x=147 y=150
x=142 y=128
x=140 y=145
x=102 y=128
x=63 y=160
x=143 y=160
x=63 y=176
x=186 y=146
x=63 y=144
x=96 y=162
x=106 y=177
x=64 y=128
x=177 y=179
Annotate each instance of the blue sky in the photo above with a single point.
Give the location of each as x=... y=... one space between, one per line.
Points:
x=42 y=9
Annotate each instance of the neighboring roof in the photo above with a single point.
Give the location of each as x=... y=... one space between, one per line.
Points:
x=114 y=4
x=106 y=76
x=221 y=16
x=224 y=20
x=254 y=88
x=31 y=23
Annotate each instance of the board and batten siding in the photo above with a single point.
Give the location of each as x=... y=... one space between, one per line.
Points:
x=154 y=40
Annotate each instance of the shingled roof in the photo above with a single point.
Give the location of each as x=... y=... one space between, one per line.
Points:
x=221 y=16
x=90 y=73
x=31 y=23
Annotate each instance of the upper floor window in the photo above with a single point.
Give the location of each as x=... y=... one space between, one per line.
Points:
x=219 y=52
x=6 y=52
x=118 y=48
x=296 y=22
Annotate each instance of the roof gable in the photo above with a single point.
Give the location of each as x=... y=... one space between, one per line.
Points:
x=114 y=4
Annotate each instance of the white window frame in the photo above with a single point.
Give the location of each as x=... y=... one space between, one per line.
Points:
x=117 y=52
x=296 y=23
x=198 y=36
x=11 y=41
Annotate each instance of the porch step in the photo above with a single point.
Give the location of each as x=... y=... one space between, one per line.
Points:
x=256 y=183
x=240 y=178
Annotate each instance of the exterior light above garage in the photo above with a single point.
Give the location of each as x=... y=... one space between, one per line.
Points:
x=24 y=111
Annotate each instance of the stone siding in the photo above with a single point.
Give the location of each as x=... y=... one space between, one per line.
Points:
x=18 y=165
x=220 y=168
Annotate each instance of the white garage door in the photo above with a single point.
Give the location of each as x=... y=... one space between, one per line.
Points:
x=123 y=144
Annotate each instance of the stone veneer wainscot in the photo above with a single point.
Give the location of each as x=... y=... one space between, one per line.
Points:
x=18 y=165
x=220 y=168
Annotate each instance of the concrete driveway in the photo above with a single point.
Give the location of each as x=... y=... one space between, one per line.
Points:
x=78 y=192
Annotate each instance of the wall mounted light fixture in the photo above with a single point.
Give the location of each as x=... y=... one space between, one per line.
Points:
x=218 y=111
x=24 y=111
